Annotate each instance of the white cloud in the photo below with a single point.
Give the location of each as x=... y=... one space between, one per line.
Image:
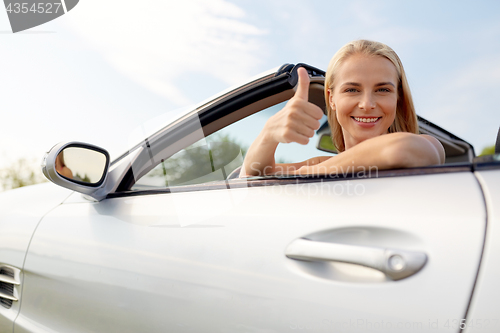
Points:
x=155 y=42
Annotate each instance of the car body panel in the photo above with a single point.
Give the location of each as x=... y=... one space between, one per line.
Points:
x=483 y=313
x=20 y=212
x=214 y=260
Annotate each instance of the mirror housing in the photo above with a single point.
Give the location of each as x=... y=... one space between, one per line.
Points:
x=325 y=143
x=77 y=166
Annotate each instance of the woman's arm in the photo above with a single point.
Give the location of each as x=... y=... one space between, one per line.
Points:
x=296 y=122
x=66 y=172
x=281 y=168
x=389 y=151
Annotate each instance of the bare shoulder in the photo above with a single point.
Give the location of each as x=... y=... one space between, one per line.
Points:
x=435 y=142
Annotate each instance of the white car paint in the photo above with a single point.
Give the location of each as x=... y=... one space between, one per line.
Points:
x=20 y=212
x=220 y=266
x=483 y=316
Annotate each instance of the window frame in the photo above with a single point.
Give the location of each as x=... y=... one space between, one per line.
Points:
x=237 y=104
x=297 y=180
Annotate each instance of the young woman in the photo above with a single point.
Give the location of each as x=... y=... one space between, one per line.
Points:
x=371 y=115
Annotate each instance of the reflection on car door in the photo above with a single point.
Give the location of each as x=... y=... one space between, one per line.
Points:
x=214 y=261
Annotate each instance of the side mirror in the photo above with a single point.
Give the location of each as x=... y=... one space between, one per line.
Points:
x=77 y=166
x=325 y=143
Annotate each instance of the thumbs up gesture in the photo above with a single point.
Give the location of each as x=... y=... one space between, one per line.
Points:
x=298 y=120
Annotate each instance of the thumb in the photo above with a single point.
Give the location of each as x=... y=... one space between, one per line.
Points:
x=303 y=84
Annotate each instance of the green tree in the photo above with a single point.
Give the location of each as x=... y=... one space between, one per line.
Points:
x=84 y=179
x=200 y=163
x=490 y=150
x=21 y=173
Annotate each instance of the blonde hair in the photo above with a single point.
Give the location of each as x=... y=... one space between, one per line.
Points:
x=406 y=118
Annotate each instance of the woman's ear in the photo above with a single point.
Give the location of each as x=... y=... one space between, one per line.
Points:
x=331 y=100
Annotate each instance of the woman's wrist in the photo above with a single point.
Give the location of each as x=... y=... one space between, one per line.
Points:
x=265 y=138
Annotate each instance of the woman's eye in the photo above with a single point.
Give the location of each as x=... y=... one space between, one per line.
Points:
x=349 y=90
x=384 y=90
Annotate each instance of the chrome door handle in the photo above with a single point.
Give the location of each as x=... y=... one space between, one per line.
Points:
x=396 y=264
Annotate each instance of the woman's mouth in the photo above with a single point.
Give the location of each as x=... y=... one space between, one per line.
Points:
x=366 y=119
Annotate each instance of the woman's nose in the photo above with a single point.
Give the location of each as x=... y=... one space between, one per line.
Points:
x=367 y=102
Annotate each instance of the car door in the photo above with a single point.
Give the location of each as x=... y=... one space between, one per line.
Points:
x=214 y=260
x=267 y=254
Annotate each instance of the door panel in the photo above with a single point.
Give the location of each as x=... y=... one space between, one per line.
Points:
x=215 y=260
x=483 y=314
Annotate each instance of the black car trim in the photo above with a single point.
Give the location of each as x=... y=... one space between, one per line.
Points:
x=486 y=162
x=453 y=136
x=271 y=180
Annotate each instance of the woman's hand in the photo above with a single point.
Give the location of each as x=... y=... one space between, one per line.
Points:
x=298 y=120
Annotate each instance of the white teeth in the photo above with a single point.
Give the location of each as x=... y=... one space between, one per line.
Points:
x=366 y=120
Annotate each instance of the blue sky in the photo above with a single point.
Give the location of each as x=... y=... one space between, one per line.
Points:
x=106 y=67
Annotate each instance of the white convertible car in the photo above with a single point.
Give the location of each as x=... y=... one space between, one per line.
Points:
x=167 y=238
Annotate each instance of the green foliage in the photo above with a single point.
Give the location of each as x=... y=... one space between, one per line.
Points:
x=84 y=179
x=208 y=160
x=490 y=150
x=20 y=173
x=326 y=143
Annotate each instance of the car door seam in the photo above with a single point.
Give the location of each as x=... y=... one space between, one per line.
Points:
x=24 y=260
x=482 y=250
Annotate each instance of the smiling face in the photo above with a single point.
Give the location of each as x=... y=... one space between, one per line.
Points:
x=364 y=97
